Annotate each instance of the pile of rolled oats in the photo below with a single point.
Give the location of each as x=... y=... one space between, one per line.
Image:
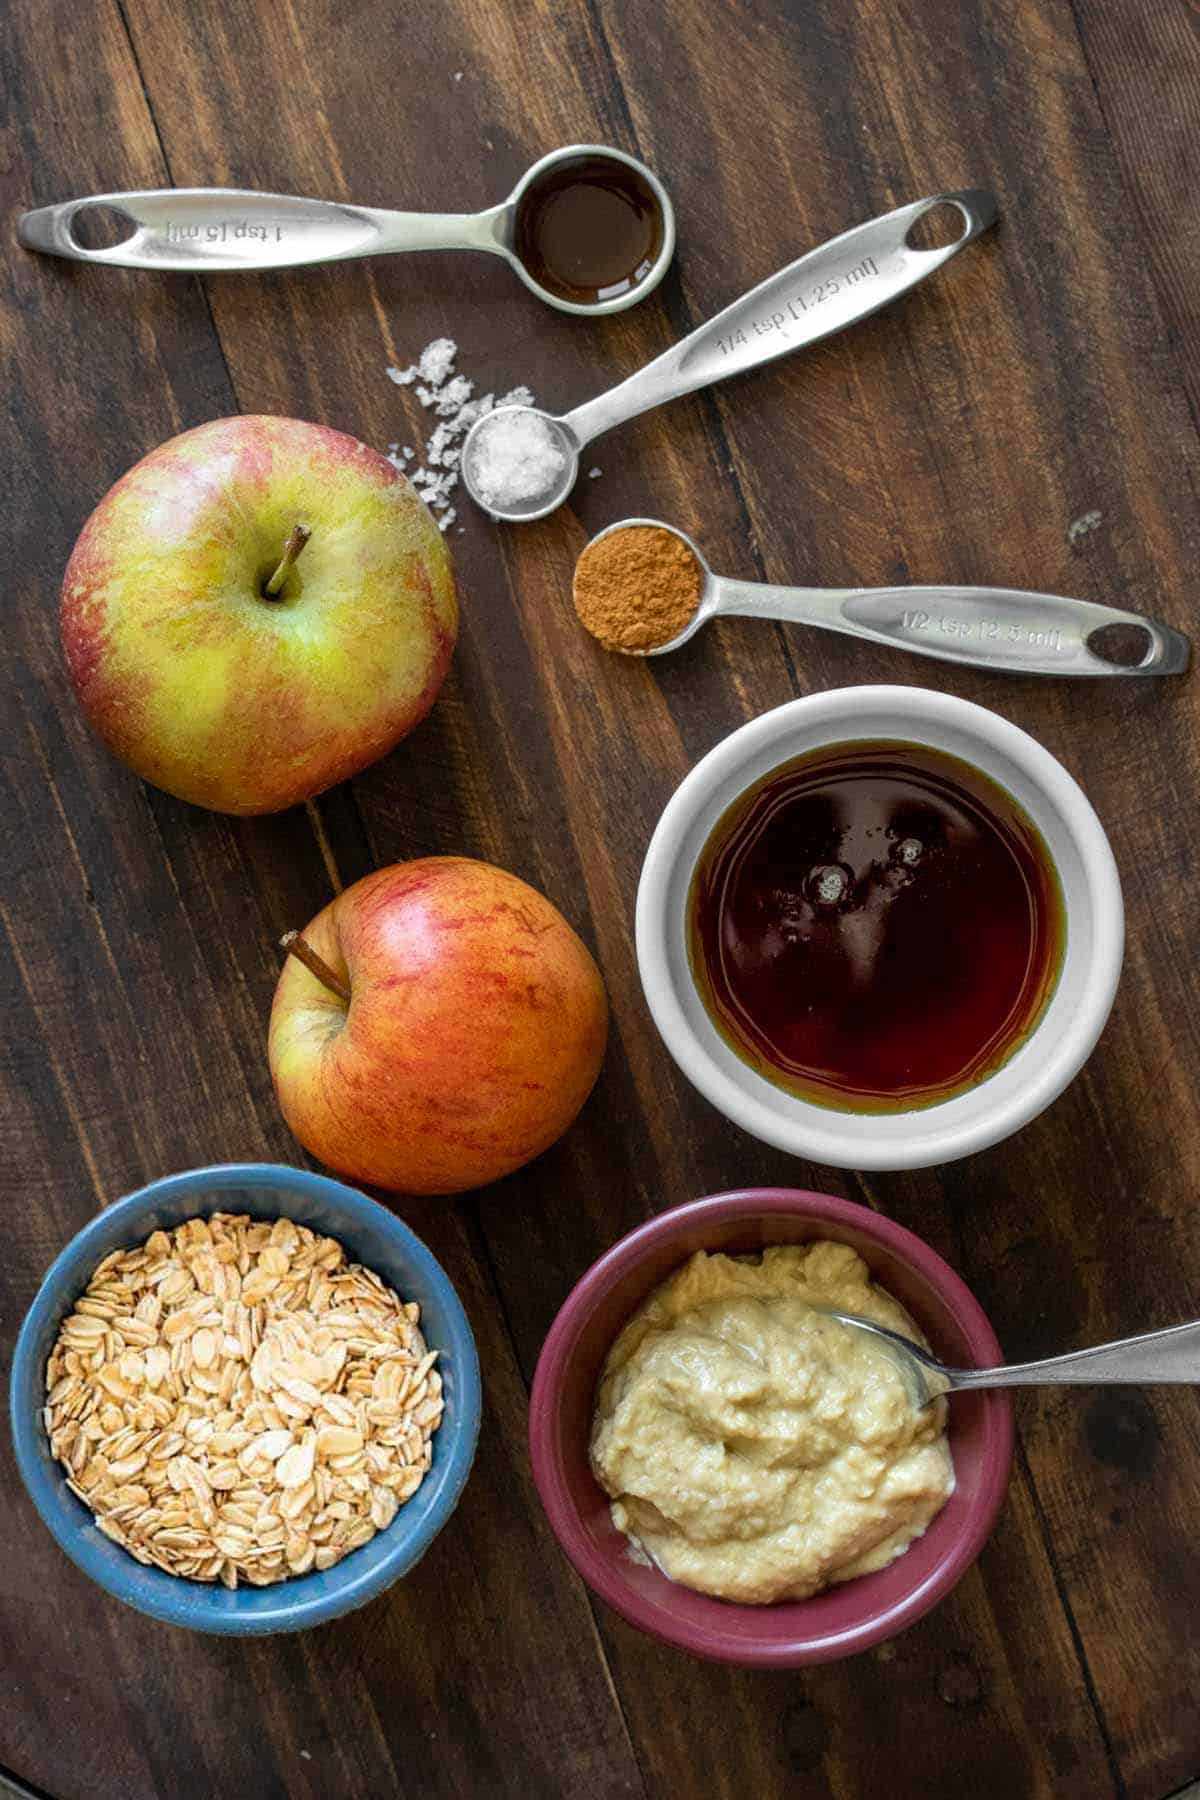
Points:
x=236 y=1401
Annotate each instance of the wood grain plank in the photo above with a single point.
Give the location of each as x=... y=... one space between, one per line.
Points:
x=955 y=438
x=1145 y=72
x=1144 y=63
x=1037 y=390
x=141 y=961
x=545 y=755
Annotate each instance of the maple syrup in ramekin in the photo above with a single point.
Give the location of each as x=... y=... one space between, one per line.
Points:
x=875 y=926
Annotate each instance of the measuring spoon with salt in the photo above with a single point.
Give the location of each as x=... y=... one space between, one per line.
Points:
x=519 y=463
x=989 y=628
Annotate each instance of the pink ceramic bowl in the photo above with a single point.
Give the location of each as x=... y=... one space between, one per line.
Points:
x=845 y=1619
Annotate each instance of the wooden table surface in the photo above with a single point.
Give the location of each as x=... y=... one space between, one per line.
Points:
x=1051 y=375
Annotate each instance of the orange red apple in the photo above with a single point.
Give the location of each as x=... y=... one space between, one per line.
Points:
x=225 y=694
x=468 y=1031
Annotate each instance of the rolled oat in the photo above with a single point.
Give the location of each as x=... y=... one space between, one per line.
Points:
x=236 y=1401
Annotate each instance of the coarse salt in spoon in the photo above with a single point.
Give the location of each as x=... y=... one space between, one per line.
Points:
x=519 y=463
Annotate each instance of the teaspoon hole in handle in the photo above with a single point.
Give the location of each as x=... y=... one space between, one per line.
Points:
x=101 y=227
x=944 y=224
x=1124 y=646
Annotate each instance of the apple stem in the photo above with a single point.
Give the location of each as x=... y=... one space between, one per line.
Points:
x=291 y=550
x=295 y=945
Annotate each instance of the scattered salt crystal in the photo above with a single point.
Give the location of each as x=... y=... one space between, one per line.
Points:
x=458 y=74
x=452 y=399
x=592 y=473
x=515 y=457
x=1080 y=527
x=437 y=360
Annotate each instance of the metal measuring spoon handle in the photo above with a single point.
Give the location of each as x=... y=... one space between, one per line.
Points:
x=831 y=287
x=987 y=628
x=217 y=229
x=1155 y=1358
x=221 y=229
x=984 y=627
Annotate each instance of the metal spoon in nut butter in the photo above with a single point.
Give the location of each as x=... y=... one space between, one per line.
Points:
x=1156 y=1358
x=989 y=628
x=207 y=230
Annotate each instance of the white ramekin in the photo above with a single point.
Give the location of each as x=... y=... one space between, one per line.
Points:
x=1048 y=1059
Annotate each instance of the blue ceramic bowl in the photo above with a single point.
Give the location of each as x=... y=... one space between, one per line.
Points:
x=372 y=1236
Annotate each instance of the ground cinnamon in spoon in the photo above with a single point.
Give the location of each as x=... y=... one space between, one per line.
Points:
x=637 y=588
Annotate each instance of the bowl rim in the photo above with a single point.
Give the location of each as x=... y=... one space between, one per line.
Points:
x=67 y=1275
x=823 y=1134
x=601 y=1574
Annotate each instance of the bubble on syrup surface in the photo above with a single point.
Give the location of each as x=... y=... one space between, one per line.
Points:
x=829 y=884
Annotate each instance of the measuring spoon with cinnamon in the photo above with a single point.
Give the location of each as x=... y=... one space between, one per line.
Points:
x=991 y=628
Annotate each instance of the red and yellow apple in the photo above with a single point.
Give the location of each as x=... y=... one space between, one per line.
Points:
x=226 y=694
x=445 y=1026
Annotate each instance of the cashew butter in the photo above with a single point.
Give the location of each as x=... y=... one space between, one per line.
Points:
x=755 y=1448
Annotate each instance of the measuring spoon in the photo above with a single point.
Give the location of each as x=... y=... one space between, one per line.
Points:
x=205 y=230
x=1156 y=1358
x=843 y=281
x=989 y=628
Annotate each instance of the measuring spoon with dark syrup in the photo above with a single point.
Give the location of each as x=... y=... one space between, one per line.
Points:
x=588 y=229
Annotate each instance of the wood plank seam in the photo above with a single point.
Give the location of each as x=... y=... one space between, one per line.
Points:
x=723 y=447
x=477 y=1237
x=1120 y=1790
x=201 y=285
x=1133 y=196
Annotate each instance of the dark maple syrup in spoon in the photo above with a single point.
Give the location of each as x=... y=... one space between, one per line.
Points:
x=876 y=926
x=589 y=229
